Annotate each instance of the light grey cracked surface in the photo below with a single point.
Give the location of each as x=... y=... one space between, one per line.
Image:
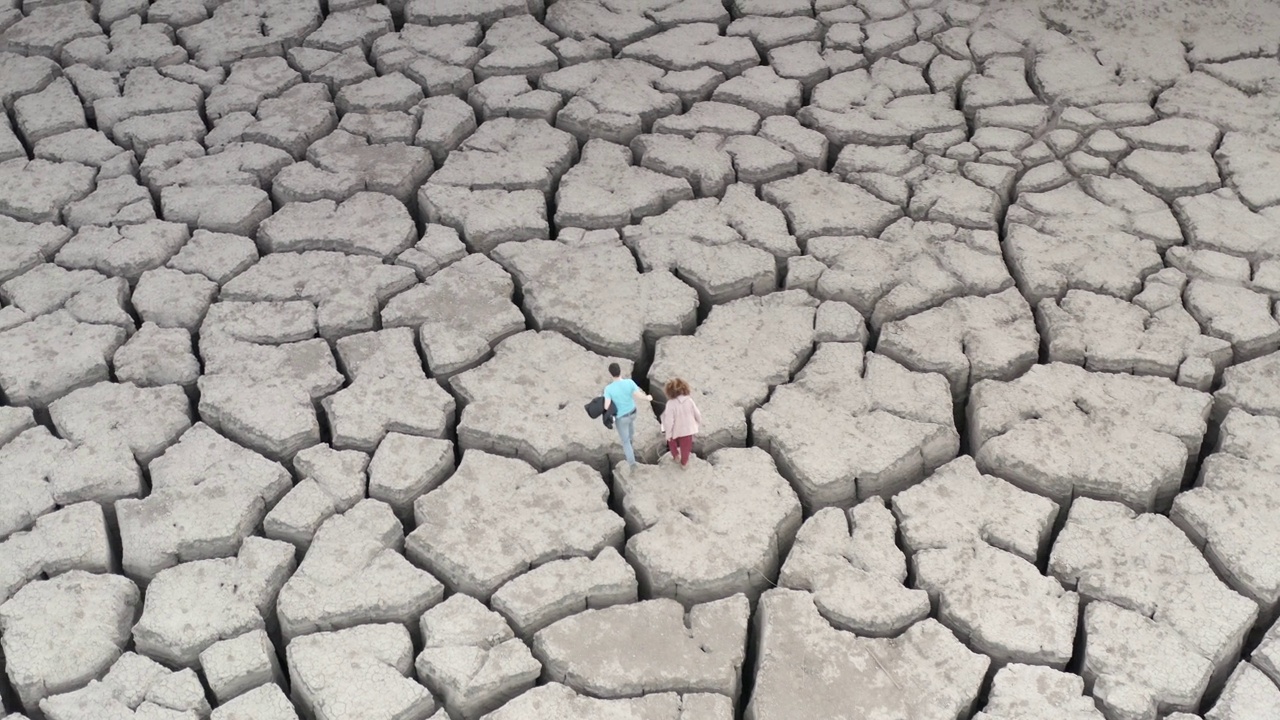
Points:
x=700 y=649
x=958 y=505
x=1140 y=461
x=193 y=605
x=1019 y=690
x=1144 y=564
x=471 y=657
x=863 y=396
x=460 y=313
x=1000 y=603
x=687 y=545
x=301 y=303
x=855 y=572
x=562 y=588
x=1231 y=502
x=354 y=574
x=743 y=349
x=593 y=294
x=911 y=266
x=941 y=676
x=515 y=517
x=361 y=667
x=538 y=425
x=60 y=633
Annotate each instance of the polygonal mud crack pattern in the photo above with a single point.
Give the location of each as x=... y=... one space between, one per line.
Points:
x=302 y=302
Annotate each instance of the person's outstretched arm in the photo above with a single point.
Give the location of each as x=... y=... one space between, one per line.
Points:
x=697 y=414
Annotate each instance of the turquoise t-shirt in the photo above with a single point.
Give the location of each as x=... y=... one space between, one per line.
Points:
x=619 y=393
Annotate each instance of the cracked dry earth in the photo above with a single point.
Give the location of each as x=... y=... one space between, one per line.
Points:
x=301 y=301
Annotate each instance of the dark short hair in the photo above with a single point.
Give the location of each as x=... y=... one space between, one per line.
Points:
x=615 y=370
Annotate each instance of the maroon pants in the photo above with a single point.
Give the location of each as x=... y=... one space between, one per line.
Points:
x=684 y=445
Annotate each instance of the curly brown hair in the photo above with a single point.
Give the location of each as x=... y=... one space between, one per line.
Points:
x=675 y=387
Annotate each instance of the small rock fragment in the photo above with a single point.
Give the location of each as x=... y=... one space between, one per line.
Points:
x=1153 y=335
x=1248 y=693
x=265 y=702
x=709 y=117
x=274 y=417
x=510 y=154
x=53 y=355
x=730 y=365
x=486 y=218
x=389 y=392
x=217 y=256
x=912 y=267
x=1019 y=690
x=1138 y=666
x=115 y=201
x=405 y=467
x=605 y=190
x=695 y=45
x=1228 y=514
x=347 y=289
x=957 y=505
x=30 y=461
x=365 y=224
x=147 y=420
x=439 y=247
x=1065 y=238
x=73 y=538
x=237 y=665
x=333 y=481
x=566 y=288
x=172 y=298
x=1171 y=175
x=157 y=356
x=1000 y=603
x=611 y=99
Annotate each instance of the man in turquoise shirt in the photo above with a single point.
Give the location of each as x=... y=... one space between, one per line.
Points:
x=622 y=394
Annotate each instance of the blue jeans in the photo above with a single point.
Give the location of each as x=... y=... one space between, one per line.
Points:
x=626 y=426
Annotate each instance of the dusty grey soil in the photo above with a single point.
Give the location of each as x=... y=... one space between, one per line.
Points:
x=301 y=302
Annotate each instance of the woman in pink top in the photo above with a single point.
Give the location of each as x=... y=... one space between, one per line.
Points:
x=680 y=419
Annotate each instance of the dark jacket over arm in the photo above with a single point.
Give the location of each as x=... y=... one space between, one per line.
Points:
x=596 y=409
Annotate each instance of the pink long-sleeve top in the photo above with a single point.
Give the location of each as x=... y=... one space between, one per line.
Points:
x=681 y=417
